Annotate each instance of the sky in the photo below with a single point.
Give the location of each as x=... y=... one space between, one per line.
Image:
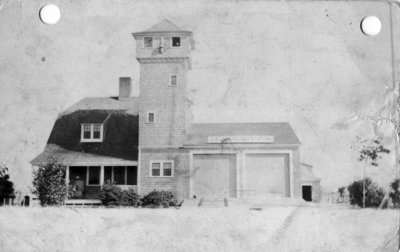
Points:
x=302 y=62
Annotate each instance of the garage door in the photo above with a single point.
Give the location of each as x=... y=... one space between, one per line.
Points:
x=214 y=175
x=267 y=174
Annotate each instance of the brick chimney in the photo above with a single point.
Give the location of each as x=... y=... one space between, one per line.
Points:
x=125 y=87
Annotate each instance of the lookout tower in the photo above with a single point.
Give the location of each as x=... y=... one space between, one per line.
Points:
x=163 y=52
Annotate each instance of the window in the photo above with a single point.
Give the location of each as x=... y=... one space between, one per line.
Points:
x=96 y=131
x=108 y=175
x=148 y=42
x=167 y=170
x=92 y=133
x=86 y=131
x=131 y=175
x=162 y=168
x=155 y=169
x=172 y=80
x=176 y=41
x=94 y=175
x=150 y=117
x=120 y=175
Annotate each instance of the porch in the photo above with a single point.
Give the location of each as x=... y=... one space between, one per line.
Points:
x=88 y=179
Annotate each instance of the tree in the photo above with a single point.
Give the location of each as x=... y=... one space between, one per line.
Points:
x=50 y=184
x=6 y=186
x=370 y=150
x=365 y=193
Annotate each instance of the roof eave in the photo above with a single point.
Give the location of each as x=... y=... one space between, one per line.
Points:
x=228 y=146
x=144 y=33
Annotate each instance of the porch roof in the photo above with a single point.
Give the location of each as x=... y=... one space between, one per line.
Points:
x=67 y=157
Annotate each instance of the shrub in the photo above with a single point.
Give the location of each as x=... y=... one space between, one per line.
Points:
x=160 y=198
x=6 y=186
x=373 y=196
x=111 y=195
x=341 y=191
x=395 y=193
x=130 y=198
x=49 y=184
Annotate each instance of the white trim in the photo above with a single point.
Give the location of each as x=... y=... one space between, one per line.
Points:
x=96 y=163
x=91 y=139
x=169 y=81
x=147 y=117
x=180 y=42
x=241 y=162
x=67 y=175
x=112 y=175
x=139 y=166
x=101 y=175
x=291 y=164
x=162 y=162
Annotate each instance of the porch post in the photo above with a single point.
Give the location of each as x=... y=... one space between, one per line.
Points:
x=67 y=175
x=101 y=175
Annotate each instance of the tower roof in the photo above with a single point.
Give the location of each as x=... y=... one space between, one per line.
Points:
x=165 y=26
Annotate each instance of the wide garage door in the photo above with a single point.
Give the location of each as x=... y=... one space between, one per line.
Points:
x=267 y=174
x=214 y=175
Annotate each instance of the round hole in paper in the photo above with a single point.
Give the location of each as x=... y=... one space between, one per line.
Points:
x=50 y=14
x=371 y=26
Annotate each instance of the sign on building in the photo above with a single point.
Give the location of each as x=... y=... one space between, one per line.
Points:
x=240 y=139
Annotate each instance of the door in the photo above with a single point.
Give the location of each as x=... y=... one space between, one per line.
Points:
x=77 y=177
x=214 y=175
x=267 y=174
x=307 y=192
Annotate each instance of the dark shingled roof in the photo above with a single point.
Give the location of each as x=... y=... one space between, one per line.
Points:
x=130 y=105
x=283 y=134
x=120 y=132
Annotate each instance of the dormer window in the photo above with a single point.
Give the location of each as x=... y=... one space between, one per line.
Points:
x=176 y=41
x=92 y=132
x=148 y=42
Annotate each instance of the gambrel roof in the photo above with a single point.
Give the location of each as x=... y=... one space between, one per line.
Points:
x=120 y=132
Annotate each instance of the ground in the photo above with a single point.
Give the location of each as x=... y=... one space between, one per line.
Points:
x=285 y=226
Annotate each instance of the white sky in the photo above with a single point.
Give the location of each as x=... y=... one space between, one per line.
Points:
x=304 y=62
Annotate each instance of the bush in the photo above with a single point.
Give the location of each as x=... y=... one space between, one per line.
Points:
x=373 y=196
x=395 y=193
x=160 y=198
x=50 y=184
x=6 y=186
x=111 y=195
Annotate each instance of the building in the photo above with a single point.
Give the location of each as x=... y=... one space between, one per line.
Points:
x=150 y=142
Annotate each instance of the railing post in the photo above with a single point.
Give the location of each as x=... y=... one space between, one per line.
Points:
x=67 y=176
x=101 y=175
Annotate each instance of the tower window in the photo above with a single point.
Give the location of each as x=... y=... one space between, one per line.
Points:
x=172 y=80
x=176 y=41
x=148 y=42
x=150 y=117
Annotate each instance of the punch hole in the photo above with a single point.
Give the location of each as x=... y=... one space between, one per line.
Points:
x=49 y=14
x=371 y=26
